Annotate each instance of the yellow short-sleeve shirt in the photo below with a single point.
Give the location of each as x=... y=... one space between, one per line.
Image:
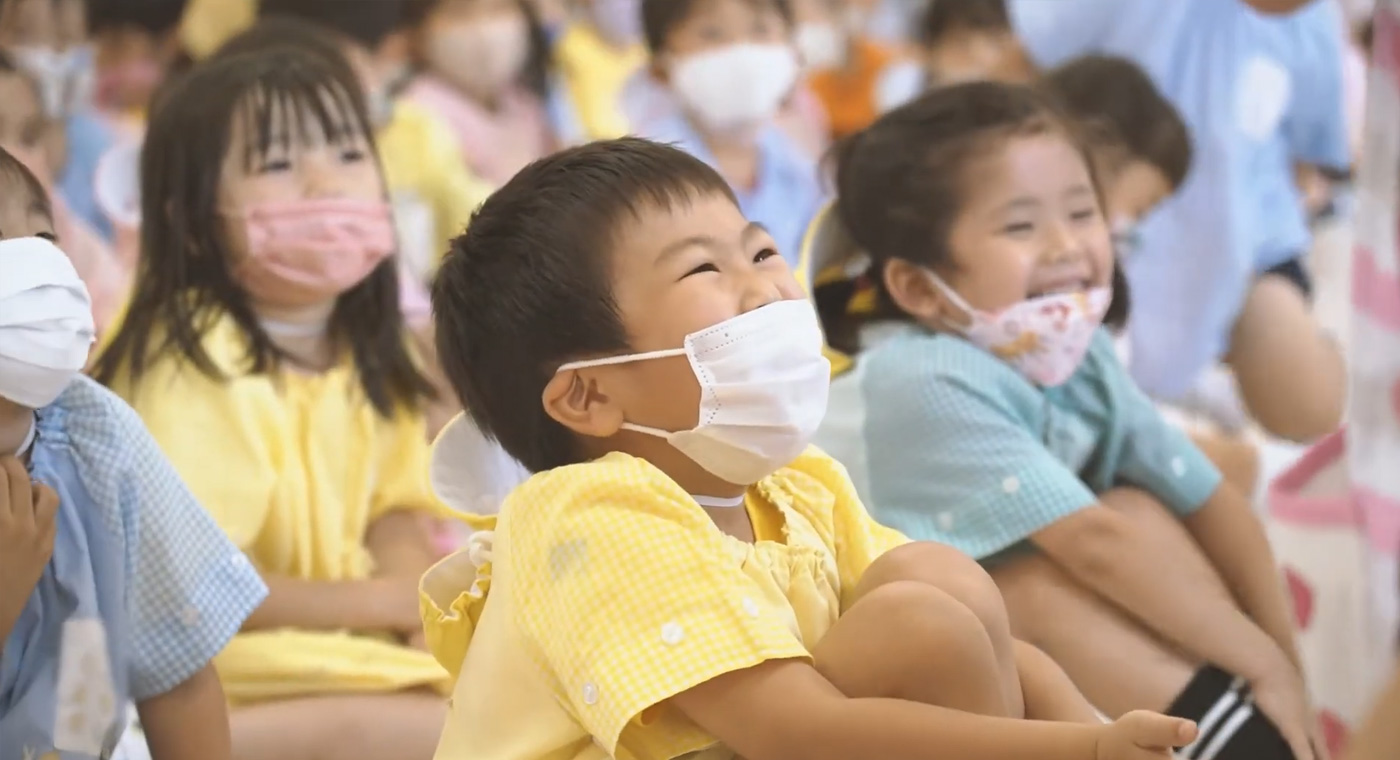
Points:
x=294 y=468
x=608 y=591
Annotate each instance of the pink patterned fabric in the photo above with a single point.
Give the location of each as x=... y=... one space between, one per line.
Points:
x=496 y=144
x=1335 y=517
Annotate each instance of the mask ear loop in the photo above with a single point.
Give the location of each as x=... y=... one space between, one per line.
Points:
x=957 y=300
x=611 y=361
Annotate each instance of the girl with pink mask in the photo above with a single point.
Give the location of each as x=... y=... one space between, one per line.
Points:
x=264 y=348
x=483 y=66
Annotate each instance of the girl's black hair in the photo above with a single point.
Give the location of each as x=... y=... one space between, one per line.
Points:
x=184 y=281
x=661 y=17
x=538 y=67
x=900 y=183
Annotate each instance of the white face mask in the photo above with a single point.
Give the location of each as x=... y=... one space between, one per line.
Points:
x=736 y=87
x=46 y=327
x=66 y=79
x=822 y=45
x=763 y=388
x=483 y=57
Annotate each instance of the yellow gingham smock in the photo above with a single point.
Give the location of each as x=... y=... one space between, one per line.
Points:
x=603 y=589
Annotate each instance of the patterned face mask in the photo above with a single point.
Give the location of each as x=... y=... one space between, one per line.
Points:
x=1044 y=338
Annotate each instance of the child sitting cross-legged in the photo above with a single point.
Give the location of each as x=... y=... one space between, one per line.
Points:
x=683 y=574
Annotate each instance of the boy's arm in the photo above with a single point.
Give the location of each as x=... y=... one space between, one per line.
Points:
x=1233 y=540
x=805 y=716
x=189 y=722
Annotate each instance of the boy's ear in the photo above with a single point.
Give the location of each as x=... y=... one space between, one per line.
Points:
x=576 y=399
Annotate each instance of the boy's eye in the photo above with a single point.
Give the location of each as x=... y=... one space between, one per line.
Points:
x=1019 y=228
x=707 y=267
x=764 y=255
x=49 y=236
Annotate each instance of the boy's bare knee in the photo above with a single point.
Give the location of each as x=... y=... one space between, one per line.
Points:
x=945 y=569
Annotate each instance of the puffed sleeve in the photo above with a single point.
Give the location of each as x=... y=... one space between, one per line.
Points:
x=632 y=594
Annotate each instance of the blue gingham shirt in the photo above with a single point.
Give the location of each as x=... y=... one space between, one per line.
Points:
x=948 y=443
x=787 y=194
x=142 y=591
x=1258 y=92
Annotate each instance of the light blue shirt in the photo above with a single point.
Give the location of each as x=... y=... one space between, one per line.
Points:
x=142 y=591
x=954 y=445
x=1258 y=92
x=88 y=139
x=787 y=193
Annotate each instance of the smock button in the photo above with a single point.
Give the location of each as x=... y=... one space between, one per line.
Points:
x=189 y=616
x=1011 y=484
x=1178 y=466
x=590 y=694
x=945 y=520
x=239 y=560
x=672 y=633
x=750 y=607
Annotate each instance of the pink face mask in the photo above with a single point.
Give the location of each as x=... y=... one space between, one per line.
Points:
x=1044 y=338
x=306 y=252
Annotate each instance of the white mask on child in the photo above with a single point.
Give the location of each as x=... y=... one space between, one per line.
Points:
x=763 y=388
x=1044 y=338
x=822 y=44
x=737 y=86
x=66 y=78
x=46 y=327
x=483 y=57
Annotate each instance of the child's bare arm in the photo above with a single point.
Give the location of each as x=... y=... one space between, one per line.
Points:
x=786 y=709
x=189 y=722
x=1234 y=541
x=1379 y=737
x=1048 y=690
x=1117 y=558
x=400 y=545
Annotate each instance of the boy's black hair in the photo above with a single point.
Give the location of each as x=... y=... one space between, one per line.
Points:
x=367 y=22
x=538 y=67
x=901 y=182
x=528 y=286
x=944 y=17
x=184 y=280
x=661 y=17
x=13 y=170
x=1114 y=95
x=154 y=16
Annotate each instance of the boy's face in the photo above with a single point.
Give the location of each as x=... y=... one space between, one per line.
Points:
x=719 y=23
x=21 y=214
x=131 y=63
x=675 y=272
x=971 y=55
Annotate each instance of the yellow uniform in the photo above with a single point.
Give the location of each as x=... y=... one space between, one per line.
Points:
x=207 y=24
x=294 y=468
x=595 y=74
x=605 y=590
x=421 y=156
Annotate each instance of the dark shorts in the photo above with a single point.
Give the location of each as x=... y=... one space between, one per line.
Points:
x=1296 y=272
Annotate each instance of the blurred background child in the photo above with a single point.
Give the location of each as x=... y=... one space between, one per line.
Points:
x=136 y=42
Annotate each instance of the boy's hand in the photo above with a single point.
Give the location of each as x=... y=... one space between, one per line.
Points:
x=1282 y=698
x=1142 y=735
x=27 y=512
x=396 y=605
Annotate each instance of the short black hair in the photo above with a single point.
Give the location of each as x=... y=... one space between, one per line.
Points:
x=528 y=287
x=367 y=22
x=13 y=169
x=661 y=17
x=1114 y=96
x=944 y=17
x=154 y=16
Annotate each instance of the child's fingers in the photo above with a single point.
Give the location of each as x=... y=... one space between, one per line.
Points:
x=17 y=490
x=45 y=504
x=1155 y=730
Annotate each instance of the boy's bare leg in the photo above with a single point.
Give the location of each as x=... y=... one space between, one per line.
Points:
x=1291 y=376
x=403 y=726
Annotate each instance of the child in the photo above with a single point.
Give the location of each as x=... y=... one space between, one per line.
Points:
x=114 y=585
x=136 y=42
x=965 y=40
x=998 y=420
x=597 y=55
x=1222 y=266
x=48 y=39
x=264 y=334
x=713 y=590
x=730 y=65
x=33 y=139
x=485 y=73
x=855 y=77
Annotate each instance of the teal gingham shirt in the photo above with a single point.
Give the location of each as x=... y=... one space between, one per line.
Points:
x=948 y=443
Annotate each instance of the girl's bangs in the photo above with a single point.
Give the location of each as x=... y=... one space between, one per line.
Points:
x=301 y=105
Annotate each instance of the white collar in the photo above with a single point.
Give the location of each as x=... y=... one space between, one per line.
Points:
x=716 y=502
